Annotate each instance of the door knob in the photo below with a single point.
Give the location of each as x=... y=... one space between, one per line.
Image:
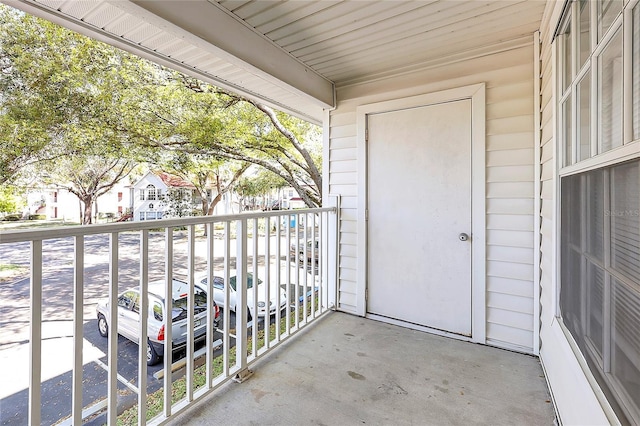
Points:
x=463 y=237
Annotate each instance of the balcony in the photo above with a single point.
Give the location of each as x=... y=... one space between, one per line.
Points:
x=61 y=370
x=302 y=362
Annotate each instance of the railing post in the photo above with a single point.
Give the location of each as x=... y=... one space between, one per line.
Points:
x=78 y=314
x=168 y=323
x=35 y=337
x=112 y=358
x=144 y=310
x=241 y=302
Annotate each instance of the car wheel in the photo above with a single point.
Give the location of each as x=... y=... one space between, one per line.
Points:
x=103 y=327
x=152 y=356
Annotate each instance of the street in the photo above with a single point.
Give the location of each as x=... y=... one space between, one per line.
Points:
x=57 y=324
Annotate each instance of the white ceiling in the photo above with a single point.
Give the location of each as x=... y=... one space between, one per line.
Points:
x=293 y=54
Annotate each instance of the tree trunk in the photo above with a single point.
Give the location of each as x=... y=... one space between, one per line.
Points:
x=88 y=204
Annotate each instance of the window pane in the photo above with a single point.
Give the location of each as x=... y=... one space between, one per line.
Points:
x=566 y=56
x=571 y=276
x=608 y=10
x=584 y=40
x=595 y=295
x=625 y=356
x=636 y=72
x=566 y=126
x=584 y=117
x=625 y=220
x=595 y=215
x=610 y=94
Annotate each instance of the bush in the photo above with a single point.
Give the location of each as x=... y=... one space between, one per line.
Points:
x=11 y=217
x=37 y=216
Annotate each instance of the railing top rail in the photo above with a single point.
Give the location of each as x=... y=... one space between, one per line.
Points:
x=15 y=236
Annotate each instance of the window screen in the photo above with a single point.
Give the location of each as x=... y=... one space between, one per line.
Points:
x=600 y=278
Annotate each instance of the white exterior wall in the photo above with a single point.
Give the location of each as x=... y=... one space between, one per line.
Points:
x=573 y=392
x=510 y=182
x=62 y=204
x=143 y=205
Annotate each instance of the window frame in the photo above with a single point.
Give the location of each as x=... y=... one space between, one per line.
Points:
x=629 y=150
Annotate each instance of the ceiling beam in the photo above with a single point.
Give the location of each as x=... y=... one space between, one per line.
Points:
x=212 y=27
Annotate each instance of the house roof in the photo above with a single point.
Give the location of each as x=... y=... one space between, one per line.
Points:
x=294 y=54
x=174 y=181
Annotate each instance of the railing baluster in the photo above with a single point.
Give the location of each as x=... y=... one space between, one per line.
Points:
x=305 y=263
x=267 y=280
x=314 y=265
x=278 y=267
x=227 y=317
x=254 y=290
x=241 y=297
x=167 y=318
x=322 y=276
x=288 y=275
x=297 y=277
x=35 y=334
x=144 y=309
x=78 y=314
x=112 y=359
x=210 y=305
x=191 y=244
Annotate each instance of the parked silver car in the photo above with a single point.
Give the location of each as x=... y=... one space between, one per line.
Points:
x=129 y=317
x=218 y=294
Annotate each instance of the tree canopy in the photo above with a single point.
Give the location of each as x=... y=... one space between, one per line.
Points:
x=69 y=104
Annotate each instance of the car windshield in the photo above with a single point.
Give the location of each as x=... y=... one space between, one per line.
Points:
x=232 y=280
x=179 y=310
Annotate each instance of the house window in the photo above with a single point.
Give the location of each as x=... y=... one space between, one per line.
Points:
x=598 y=122
x=600 y=277
x=151 y=192
x=119 y=196
x=142 y=195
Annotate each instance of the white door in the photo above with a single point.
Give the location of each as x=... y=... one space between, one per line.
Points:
x=419 y=204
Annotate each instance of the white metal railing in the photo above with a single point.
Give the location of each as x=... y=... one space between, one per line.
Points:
x=289 y=248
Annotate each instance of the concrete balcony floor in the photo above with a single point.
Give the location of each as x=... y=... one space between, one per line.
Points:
x=347 y=370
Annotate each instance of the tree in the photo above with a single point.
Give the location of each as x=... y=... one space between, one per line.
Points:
x=10 y=199
x=194 y=117
x=87 y=177
x=83 y=93
x=207 y=174
x=261 y=184
x=61 y=93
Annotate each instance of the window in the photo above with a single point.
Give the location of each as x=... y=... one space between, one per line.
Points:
x=598 y=122
x=601 y=214
x=151 y=192
x=142 y=195
x=119 y=196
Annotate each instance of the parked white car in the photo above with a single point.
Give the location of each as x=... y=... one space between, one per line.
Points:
x=218 y=294
x=129 y=317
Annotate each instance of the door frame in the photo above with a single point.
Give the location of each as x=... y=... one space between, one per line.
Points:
x=476 y=93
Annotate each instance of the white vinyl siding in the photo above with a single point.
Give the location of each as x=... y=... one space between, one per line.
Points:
x=510 y=181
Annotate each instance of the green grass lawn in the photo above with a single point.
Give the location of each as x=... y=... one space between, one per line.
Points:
x=9 y=273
